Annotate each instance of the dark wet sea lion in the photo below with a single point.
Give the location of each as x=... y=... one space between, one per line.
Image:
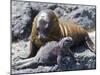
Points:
x=52 y=53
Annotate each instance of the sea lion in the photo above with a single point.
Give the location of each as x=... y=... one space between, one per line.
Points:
x=51 y=53
x=47 y=27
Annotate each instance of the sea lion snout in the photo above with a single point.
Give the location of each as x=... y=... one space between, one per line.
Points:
x=68 y=41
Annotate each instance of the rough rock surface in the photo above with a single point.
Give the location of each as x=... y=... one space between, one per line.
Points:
x=23 y=14
x=21 y=20
x=85 y=59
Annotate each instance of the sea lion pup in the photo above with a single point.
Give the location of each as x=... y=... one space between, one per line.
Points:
x=51 y=53
x=47 y=27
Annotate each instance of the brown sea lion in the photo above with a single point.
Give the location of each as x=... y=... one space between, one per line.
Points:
x=47 y=27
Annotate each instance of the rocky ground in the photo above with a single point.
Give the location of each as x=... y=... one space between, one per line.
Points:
x=23 y=14
x=85 y=58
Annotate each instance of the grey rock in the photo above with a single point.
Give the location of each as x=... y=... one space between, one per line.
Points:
x=40 y=6
x=59 y=11
x=21 y=20
x=83 y=15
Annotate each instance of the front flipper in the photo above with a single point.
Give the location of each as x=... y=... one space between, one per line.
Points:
x=89 y=44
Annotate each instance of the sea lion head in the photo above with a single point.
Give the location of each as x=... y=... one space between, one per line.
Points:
x=45 y=20
x=65 y=42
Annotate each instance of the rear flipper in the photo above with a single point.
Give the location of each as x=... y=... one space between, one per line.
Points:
x=89 y=44
x=26 y=63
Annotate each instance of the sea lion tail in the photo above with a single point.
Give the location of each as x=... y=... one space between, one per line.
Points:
x=90 y=44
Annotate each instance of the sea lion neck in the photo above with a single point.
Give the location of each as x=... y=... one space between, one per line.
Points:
x=55 y=32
